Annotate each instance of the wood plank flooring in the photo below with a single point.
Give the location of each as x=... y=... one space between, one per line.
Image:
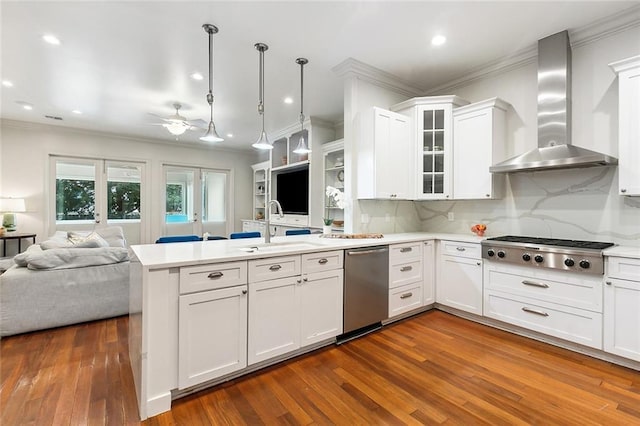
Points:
x=431 y=369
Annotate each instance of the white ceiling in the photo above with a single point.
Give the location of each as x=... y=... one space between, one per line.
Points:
x=120 y=61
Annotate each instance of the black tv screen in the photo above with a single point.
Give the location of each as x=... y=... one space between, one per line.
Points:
x=292 y=191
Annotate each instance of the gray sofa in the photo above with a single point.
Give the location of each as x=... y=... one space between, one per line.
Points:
x=65 y=284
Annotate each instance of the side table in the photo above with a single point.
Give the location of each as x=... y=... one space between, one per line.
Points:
x=15 y=236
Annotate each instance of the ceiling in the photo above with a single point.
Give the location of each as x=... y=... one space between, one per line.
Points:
x=119 y=61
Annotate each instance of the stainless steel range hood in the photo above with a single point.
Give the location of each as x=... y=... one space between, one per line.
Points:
x=554 y=149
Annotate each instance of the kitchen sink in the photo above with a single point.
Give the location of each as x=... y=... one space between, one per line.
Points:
x=271 y=247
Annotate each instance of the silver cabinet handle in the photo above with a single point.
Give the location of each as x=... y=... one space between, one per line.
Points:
x=322 y=261
x=478 y=263
x=623 y=190
x=406 y=295
x=607 y=282
x=535 y=311
x=305 y=279
x=298 y=280
x=461 y=249
x=405 y=249
x=535 y=284
x=244 y=291
x=363 y=252
x=215 y=275
x=406 y=268
x=275 y=267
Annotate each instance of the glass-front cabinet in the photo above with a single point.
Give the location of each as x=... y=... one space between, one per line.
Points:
x=433 y=123
x=333 y=166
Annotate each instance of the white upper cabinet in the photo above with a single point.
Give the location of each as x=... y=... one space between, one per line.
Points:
x=479 y=134
x=385 y=157
x=431 y=122
x=628 y=71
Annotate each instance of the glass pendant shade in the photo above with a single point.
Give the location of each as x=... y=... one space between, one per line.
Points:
x=302 y=147
x=211 y=135
x=263 y=142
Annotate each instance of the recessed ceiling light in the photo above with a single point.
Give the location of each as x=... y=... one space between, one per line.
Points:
x=51 y=39
x=77 y=111
x=438 y=40
x=229 y=135
x=7 y=83
x=27 y=107
x=197 y=76
x=288 y=100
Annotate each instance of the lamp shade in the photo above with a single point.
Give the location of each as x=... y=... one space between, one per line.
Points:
x=12 y=205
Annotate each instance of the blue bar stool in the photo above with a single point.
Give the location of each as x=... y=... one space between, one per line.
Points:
x=237 y=235
x=297 y=232
x=178 y=239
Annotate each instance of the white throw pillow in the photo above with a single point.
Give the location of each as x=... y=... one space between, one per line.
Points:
x=91 y=240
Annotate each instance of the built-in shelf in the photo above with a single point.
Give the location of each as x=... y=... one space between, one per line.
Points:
x=291 y=167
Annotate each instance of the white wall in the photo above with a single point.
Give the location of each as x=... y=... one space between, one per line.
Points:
x=578 y=204
x=24 y=168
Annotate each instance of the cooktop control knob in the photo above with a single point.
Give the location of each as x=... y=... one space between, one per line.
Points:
x=501 y=254
x=526 y=257
x=585 y=264
x=491 y=253
x=569 y=262
x=538 y=258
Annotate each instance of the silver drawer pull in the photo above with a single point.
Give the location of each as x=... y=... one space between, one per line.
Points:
x=215 y=275
x=406 y=295
x=461 y=249
x=244 y=291
x=534 y=311
x=322 y=261
x=535 y=284
x=405 y=249
x=275 y=267
x=406 y=268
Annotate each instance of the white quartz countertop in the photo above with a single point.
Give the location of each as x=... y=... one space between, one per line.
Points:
x=623 y=251
x=157 y=256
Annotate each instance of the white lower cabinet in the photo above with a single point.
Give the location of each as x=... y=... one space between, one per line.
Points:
x=405 y=277
x=212 y=334
x=459 y=283
x=622 y=307
x=291 y=312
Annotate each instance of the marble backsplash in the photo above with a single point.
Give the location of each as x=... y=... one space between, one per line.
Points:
x=579 y=204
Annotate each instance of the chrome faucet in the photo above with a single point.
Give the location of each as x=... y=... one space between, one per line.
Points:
x=267 y=214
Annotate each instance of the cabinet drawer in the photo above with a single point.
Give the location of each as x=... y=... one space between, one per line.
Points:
x=399 y=253
x=576 y=325
x=455 y=248
x=404 y=299
x=624 y=268
x=213 y=276
x=274 y=267
x=324 y=261
x=574 y=290
x=405 y=273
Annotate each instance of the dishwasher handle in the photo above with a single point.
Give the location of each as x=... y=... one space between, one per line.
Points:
x=364 y=252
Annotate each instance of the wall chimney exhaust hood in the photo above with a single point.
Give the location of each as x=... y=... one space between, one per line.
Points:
x=554 y=149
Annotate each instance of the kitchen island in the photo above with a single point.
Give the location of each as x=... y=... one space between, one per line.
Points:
x=170 y=300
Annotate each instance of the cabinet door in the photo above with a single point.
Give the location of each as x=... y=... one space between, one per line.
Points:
x=434 y=146
x=320 y=298
x=428 y=273
x=274 y=324
x=629 y=131
x=472 y=134
x=212 y=335
x=393 y=154
x=622 y=318
x=460 y=283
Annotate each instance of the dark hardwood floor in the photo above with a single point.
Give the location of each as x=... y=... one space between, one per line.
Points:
x=433 y=368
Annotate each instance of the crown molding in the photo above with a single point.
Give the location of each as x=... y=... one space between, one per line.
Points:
x=591 y=33
x=351 y=67
x=28 y=125
x=309 y=122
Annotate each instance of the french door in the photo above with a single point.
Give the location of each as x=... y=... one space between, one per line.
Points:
x=93 y=193
x=197 y=201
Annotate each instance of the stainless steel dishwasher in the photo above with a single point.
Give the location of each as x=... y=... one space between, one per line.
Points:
x=366 y=290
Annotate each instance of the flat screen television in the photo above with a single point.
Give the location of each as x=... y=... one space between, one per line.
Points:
x=292 y=191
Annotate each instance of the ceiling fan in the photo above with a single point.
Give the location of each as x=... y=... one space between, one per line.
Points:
x=177 y=124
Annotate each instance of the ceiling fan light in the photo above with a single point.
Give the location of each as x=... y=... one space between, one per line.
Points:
x=263 y=142
x=302 y=147
x=175 y=128
x=211 y=135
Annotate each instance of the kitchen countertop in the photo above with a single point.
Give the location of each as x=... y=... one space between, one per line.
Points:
x=623 y=251
x=158 y=256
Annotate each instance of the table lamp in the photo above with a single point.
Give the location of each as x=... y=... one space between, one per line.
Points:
x=11 y=206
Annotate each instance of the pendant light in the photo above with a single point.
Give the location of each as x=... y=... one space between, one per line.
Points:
x=211 y=135
x=302 y=147
x=262 y=142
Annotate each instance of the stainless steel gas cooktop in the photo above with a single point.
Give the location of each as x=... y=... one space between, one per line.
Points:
x=567 y=255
